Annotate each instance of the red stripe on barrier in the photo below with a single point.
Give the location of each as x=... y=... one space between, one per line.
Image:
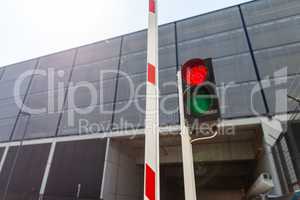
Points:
x=150 y=183
x=152 y=6
x=151 y=74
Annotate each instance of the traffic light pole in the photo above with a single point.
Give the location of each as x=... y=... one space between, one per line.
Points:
x=187 y=150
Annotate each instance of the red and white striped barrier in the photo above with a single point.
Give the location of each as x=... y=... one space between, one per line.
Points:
x=151 y=180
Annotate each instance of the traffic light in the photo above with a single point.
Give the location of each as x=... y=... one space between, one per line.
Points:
x=199 y=91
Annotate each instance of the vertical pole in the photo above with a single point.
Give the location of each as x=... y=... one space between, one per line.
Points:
x=151 y=179
x=47 y=170
x=3 y=158
x=187 y=149
x=78 y=191
x=103 y=185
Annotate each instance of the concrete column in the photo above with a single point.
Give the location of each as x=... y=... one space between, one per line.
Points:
x=272 y=129
x=271 y=168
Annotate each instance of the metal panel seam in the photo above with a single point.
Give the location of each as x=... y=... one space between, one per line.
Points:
x=254 y=61
x=24 y=99
x=117 y=83
x=66 y=93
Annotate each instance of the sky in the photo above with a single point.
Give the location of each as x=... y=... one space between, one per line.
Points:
x=33 y=28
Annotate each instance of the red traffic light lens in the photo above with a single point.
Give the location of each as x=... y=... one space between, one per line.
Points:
x=194 y=72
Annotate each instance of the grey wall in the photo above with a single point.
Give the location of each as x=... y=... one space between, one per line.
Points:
x=267 y=38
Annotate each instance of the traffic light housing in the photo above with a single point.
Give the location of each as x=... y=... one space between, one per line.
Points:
x=199 y=91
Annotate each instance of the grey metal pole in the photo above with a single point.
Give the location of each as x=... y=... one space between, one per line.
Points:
x=187 y=150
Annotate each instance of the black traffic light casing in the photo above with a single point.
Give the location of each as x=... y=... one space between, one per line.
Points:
x=200 y=99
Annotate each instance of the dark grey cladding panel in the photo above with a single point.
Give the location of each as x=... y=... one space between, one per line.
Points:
x=8 y=108
x=2 y=151
x=96 y=71
x=39 y=126
x=279 y=61
x=81 y=96
x=131 y=87
x=96 y=120
x=169 y=110
x=89 y=94
x=134 y=63
x=106 y=91
x=73 y=163
x=137 y=42
x=262 y=11
x=46 y=102
x=277 y=91
x=13 y=72
x=166 y=34
x=129 y=114
x=168 y=81
x=209 y=24
x=99 y=51
x=167 y=56
x=215 y=46
x=6 y=170
x=238 y=68
x=271 y=34
x=24 y=167
x=1 y=72
x=49 y=80
x=58 y=60
x=237 y=101
x=293 y=142
x=7 y=88
x=6 y=127
x=137 y=62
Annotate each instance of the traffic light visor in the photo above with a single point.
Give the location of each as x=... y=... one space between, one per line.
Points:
x=194 y=72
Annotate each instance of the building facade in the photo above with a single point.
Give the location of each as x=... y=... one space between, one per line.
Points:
x=71 y=123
